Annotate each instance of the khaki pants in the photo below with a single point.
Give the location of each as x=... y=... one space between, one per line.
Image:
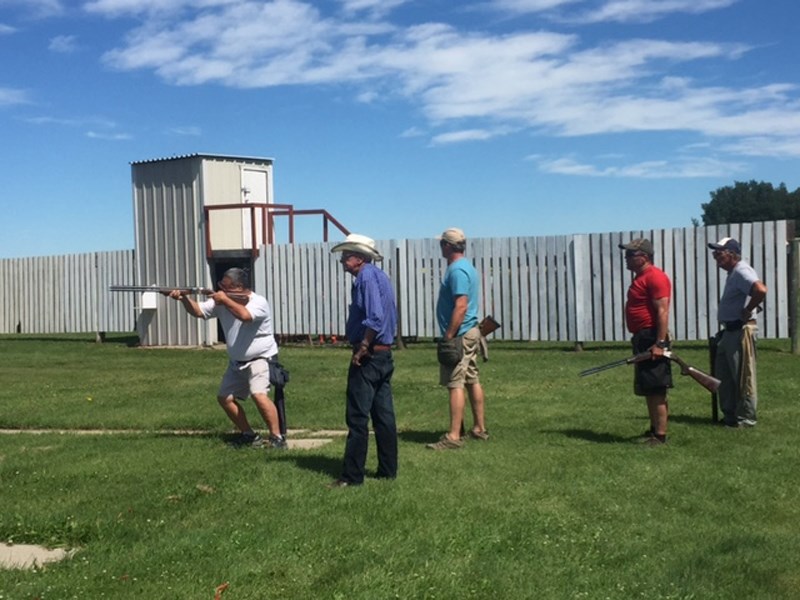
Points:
x=735 y=366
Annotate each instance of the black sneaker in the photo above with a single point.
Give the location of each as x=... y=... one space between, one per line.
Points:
x=645 y=437
x=276 y=442
x=251 y=439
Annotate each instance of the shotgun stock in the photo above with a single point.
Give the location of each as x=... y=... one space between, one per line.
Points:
x=488 y=325
x=707 y=381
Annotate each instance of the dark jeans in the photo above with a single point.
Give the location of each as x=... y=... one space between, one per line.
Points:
x=369 y=394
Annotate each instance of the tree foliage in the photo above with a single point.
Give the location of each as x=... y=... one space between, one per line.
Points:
x=751 y=201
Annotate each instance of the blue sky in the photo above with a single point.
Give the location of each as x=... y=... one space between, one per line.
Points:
x=400 y=117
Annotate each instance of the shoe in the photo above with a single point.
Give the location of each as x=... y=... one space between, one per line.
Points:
x=338 y=483
x=747 y=423
x=250 y=438
x=655 y=442
x=478 y=435
x=729 y=425
x=445 y=443
x=275 y=442
x=646 y=435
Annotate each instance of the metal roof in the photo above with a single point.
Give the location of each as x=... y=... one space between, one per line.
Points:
x=203 y=155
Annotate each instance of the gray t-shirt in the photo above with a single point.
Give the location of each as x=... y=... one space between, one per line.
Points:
x=737 y=290
x=245 y=340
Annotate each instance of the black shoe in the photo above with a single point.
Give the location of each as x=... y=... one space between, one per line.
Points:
x=276 y=442
x=338 y=483
x=251 y=439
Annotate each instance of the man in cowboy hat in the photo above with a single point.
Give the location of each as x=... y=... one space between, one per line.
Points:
x=735 y=362
x=370 y=329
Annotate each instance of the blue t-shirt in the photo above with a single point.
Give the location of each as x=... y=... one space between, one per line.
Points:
x=460 y=279
x=372 y=306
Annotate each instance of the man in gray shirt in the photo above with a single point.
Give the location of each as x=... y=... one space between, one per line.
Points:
x=735 y=364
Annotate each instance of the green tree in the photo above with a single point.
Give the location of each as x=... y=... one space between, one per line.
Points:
x=751 y=201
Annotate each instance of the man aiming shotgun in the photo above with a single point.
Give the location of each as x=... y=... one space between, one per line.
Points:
x=246 y=319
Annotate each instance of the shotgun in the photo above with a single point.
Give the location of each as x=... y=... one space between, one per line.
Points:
x=707 y=381
x=166 y=290
x=160 y=289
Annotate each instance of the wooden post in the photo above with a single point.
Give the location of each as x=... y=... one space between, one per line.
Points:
x=712 y=359
x=794 y=294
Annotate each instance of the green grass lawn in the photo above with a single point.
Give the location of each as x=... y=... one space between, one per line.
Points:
x=560 y=503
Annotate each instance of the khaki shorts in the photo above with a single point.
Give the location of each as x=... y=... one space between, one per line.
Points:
x=466 y=371
x=242 y=380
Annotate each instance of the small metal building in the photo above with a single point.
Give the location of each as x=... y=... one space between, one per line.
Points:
x=190 y=226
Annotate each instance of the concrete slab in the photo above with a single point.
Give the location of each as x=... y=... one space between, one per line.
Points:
x=28 y=556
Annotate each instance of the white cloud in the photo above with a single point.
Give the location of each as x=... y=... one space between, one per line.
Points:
x=72 y=122
x=764 y=146
x=375 y=7
x=108 y=136
x=63 y=43
x=412 y=132
x=530 y=6
x=465 y=135
x=114 y=8
x=682 y=168
x=475 y=83
x=188 y=131
x=642 y=11
x=37 y=8
x=9 y=96
x=6 y=29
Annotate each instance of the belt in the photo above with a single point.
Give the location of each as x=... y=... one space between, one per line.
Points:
x=376 y=348
x=735 y=325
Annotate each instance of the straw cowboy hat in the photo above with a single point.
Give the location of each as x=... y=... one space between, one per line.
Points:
x=360 y=244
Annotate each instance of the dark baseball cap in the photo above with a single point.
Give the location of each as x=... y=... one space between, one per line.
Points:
x=640 y=245
x=727 y=243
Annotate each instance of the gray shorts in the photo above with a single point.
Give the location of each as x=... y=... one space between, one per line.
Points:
x=243 y=379
x=466 y=371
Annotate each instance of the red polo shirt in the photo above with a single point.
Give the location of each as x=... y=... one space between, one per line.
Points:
x=650 y=285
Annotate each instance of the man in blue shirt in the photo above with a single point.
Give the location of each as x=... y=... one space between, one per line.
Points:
x=457 y=314
x=370 y=329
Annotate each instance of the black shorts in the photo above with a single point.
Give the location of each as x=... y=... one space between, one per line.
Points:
x=650 y=377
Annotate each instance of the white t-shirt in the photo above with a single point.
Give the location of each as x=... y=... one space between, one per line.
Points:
x=246 y=340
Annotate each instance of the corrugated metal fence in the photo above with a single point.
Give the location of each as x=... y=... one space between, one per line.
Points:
x=66 y=294
x=559 y=288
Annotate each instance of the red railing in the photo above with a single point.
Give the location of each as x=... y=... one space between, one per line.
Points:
x=268 y=212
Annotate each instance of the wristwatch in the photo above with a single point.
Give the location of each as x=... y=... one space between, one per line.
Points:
x=663 y=344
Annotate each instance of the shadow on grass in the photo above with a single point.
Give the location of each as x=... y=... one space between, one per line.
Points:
x=692 y=420
x=419 y=437
x=597 y=437
x=111 y=340
x=318 y=464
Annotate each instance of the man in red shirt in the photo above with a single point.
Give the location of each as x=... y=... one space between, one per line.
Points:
x=647 y=318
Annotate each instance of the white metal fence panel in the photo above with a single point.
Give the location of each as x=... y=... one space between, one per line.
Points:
x=552 y=288
x=66 y=294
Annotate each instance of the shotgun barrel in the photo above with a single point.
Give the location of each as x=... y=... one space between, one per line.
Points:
x=159 y=288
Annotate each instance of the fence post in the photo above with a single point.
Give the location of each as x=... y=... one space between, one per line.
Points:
x=794 y=293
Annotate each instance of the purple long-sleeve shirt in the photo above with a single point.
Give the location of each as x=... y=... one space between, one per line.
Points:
x=372 y=306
